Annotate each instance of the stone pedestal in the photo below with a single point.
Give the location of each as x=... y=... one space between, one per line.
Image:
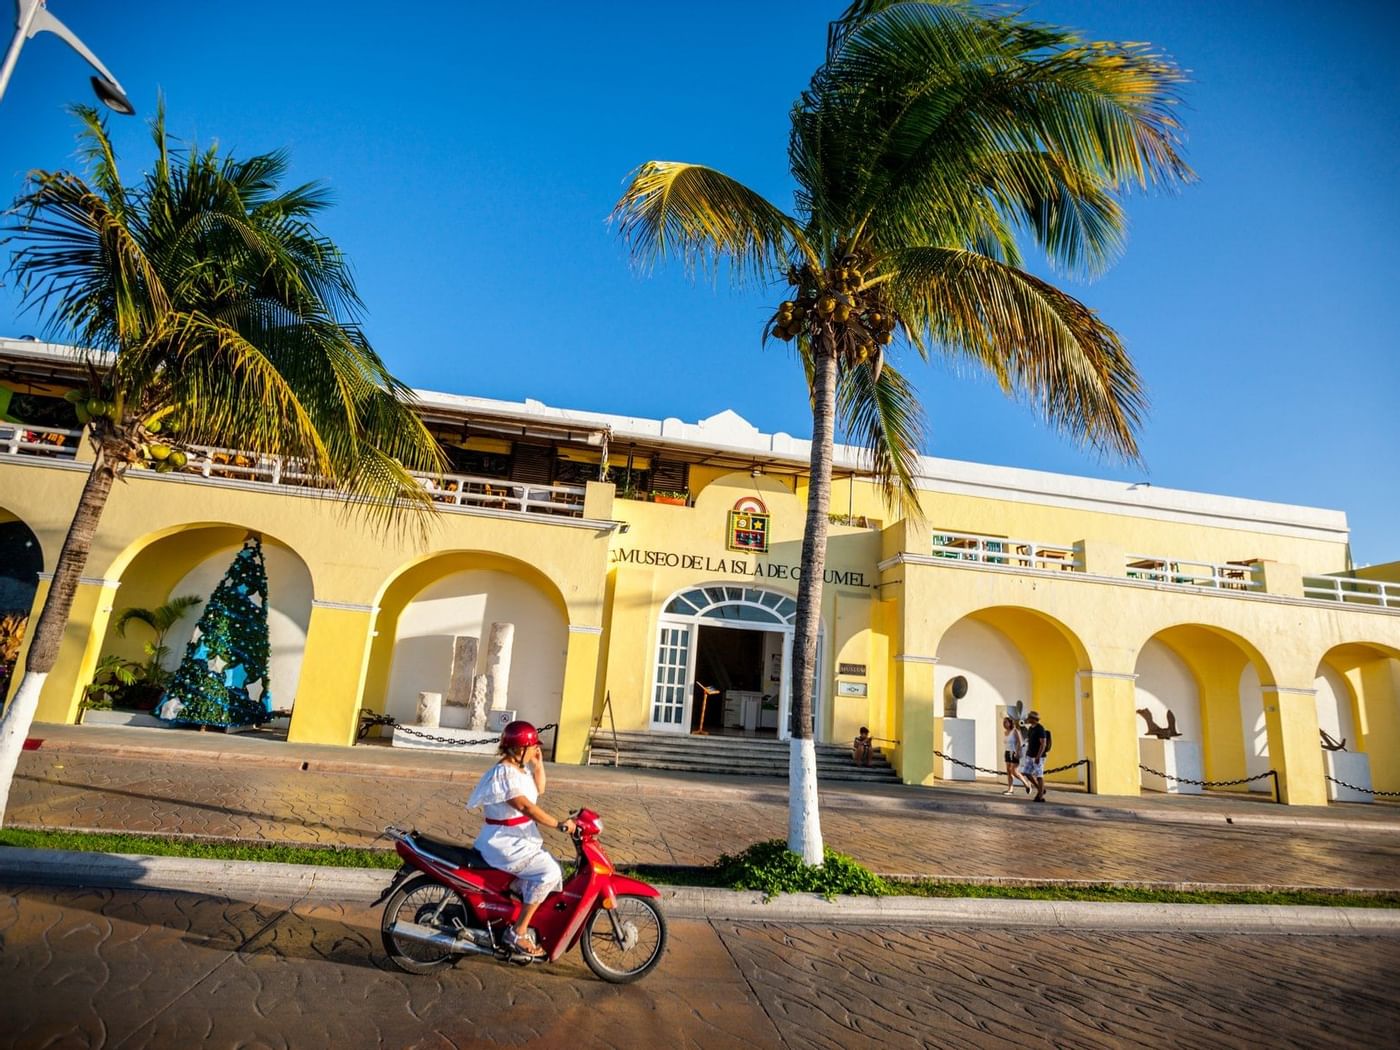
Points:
x=403 y=737
x=1353 y=767
x=1177 y=758
x=429 y=710
x=959 y=740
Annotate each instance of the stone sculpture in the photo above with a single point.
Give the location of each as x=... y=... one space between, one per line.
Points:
x=459 y=686
x=498 y=650
x=430 y=709
x=955 y=691
x=1165 y=732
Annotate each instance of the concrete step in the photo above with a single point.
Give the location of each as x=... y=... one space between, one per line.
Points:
x=729 y=755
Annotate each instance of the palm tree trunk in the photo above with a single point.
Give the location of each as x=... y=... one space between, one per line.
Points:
x=804 y=822
x=44 y=642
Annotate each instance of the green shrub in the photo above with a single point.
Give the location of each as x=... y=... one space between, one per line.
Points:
x=771 y=868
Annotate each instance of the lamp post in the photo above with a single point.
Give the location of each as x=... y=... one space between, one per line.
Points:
x=32 y=17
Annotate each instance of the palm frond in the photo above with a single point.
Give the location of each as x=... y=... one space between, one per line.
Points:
x=1035 y=340
x=705 y=218
x=883 y=417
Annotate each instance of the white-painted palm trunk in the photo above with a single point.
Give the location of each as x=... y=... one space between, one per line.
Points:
x=804 y=819
x=14 y=729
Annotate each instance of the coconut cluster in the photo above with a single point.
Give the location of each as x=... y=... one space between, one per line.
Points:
x=837 y=300
x=136 y=441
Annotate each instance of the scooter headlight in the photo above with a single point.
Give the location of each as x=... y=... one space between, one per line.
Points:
x=598 y=823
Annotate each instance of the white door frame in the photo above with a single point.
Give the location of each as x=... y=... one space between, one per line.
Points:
x=692 y=623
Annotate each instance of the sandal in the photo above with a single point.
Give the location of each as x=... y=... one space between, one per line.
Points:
x=522 y=945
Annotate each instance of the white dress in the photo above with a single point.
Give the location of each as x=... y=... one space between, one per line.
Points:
x=516 y=848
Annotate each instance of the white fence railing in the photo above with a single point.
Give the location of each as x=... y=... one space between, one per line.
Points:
x=456 y=490
x=23 y=439
x=1348 y=589
x=1224 y=576
x=1006 y=551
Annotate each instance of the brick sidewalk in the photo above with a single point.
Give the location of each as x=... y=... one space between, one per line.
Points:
x=252 y=788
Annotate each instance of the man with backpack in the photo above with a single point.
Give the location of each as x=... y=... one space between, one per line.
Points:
x=1037 y=747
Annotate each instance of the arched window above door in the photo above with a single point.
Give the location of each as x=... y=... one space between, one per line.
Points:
x=735 y=603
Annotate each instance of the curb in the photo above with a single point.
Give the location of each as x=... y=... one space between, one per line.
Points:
x=838 y=795
x=258 y=880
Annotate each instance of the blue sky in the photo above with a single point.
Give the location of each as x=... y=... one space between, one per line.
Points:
x=474 y=152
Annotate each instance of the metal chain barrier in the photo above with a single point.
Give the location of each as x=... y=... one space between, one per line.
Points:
x=1088 y=768
x=368 y=720
x=1278 y=797
x=1366 y=791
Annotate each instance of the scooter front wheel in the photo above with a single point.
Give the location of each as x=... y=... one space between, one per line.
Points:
x=425 y=902
x=624 y=944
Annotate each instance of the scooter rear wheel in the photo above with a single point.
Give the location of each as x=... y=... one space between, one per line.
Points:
x=638 y=950
x=427 y=902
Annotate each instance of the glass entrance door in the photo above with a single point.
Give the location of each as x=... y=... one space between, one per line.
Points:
x=675 y=674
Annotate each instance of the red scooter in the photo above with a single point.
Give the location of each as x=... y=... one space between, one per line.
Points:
x=446 y=902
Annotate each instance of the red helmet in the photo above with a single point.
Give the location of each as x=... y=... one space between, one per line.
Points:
x=519 y=734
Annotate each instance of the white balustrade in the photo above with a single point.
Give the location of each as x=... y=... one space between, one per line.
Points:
x=24 y=439
x=450 y=490
x=1004 y=551
x=1222 y=576
x=1350 y=590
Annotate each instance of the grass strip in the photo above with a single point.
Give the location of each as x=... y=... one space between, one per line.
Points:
x=207 y=849
x=346 y=857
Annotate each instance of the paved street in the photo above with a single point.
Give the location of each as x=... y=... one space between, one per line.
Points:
x=86 y=968
x=687 y=819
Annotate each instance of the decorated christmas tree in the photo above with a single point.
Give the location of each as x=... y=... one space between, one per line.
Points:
x=222 y=680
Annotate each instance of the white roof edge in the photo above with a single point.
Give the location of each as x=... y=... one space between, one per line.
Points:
x=727 y=432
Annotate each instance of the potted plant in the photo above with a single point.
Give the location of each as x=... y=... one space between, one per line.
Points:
x=143 y=696
x=111 y=679
x=677 y=498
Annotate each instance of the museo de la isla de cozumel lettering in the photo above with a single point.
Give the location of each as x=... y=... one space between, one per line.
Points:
x=734 y=566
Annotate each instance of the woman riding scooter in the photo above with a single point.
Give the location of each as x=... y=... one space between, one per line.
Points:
x=510 y=839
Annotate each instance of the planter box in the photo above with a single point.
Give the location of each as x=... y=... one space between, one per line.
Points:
x=674 y=501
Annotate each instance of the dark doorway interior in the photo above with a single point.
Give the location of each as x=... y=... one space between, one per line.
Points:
x=725 y=659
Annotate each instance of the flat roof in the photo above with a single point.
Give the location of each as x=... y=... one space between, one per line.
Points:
x=727 y=437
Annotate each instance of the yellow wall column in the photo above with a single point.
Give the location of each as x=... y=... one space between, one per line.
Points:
x=1290 y=716
x=79 y=649
x=1108 y=704
x=580 y=692
x=333 y=667
x=1376 y=684
x=917 y=707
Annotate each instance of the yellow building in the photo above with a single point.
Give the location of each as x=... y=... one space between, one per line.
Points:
x=1101 y=604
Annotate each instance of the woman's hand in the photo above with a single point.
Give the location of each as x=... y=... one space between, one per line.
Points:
x=570 y=825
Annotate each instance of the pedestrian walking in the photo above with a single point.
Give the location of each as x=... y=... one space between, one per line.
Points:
x=1037 y=747
x=1015 y=747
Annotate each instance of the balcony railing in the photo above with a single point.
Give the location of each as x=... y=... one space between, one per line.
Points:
x=220 y=464
x=1005 y=551
x=1349 y=590
x=23 y=439
x=1223 y=576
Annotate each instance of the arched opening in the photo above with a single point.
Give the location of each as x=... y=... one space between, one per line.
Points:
x=21 y=562
x=1014 y=661
x=429 y=604
x=190 y=562
x=1202 y=690
x=724 y=663
x=1358 y=707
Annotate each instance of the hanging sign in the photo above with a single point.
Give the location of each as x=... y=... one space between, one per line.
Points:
x=748 y=527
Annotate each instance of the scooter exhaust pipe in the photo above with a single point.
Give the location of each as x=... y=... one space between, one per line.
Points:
x=462 y=944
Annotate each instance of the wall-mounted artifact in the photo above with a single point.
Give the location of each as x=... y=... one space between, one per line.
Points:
x=954 y=691
x=1165 y=732
x=1330 y=743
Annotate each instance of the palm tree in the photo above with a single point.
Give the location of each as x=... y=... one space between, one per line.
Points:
x=159 y=620
x=933 y=140
x=216 y=313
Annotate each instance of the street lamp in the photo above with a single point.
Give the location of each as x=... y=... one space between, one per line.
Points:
x=32 y=18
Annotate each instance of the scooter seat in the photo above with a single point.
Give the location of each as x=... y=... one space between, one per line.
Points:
x=458 y=856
